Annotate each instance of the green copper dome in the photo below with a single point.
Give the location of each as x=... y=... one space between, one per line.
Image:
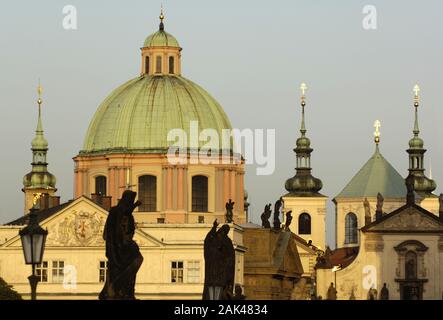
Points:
x=161 y=39
x=137 y=116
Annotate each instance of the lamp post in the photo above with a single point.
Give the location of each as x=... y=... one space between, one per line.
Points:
x=335 y=269
x=33 y=239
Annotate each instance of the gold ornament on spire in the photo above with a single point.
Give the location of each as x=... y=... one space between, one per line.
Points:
x=39 y=91
x=377 y=125
x=416 y=95
x=303 y=89
x=162 y=16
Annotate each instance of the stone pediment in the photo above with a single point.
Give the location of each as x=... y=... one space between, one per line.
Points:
x=407 y=219
x=81 y=224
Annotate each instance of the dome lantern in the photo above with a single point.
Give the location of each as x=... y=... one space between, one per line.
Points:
x=161 y=53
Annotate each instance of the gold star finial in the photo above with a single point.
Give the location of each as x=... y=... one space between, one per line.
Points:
x=377 y=125
x=416 y=95
x=39 y=91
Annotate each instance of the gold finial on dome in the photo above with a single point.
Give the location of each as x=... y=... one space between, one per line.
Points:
x=162 y=16
x=377 y=125
x=416 y=95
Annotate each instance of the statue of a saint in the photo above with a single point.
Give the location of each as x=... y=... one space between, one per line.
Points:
x=277 y=207
x=379 y=210
x=229 y=211
x=367 y=211
x=372 y=294
x=124 y=257
x=265 y=216
x=332 y=293
x=219 y=264
x=288 y=220
x=384 y=293
x=410 y=197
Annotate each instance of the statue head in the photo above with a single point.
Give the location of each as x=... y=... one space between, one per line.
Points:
x=128 y=198
x=224 y=230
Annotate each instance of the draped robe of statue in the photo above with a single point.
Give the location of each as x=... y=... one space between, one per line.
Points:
x=124 y=257
x=219 y=264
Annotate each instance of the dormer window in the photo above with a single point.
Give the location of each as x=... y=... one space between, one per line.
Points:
x=158 y=64
x=171 y=65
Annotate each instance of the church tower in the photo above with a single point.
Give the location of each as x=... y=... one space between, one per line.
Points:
x=303 y=198
x=39 y=181
x=423 y=185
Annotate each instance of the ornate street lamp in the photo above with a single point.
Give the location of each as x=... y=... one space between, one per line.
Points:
x=33 y=239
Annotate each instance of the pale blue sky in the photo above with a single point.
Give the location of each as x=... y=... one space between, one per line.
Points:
x=251 y=56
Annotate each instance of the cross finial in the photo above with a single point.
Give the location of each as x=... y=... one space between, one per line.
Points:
x=416 y=90
x=377 y=125
x=303 y=89
x=39 y=91
x=416 y=96
x=162 y=16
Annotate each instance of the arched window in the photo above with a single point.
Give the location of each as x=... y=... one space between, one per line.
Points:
x=147 y=65
x=199 y=194
x=171 y=65
x=304 y=224
x=158 y=64
x=351 y=232
x=411 y=265
x=100 y=185
x=147 y=193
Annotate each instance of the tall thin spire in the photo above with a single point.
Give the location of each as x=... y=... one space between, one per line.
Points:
x=303 y=182
x=416 y=130
x=422 y=184
x=39 y=180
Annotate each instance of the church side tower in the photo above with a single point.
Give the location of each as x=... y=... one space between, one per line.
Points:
x=39 y=180
x=423 y=185
x=303 y=198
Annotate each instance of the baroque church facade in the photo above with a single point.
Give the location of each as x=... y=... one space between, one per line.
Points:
x=387 y=234
x=126 y=147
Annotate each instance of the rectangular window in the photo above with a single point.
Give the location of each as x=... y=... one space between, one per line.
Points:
x=171 y=65
x=147 y=65
x=147 y=193
x=158 y=64
x=42 y=271
x=57 y=271
x=177 y=271
x=103 y=270
x=193 y=269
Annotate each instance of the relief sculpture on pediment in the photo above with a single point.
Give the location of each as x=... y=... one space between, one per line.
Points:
x=79 y=228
